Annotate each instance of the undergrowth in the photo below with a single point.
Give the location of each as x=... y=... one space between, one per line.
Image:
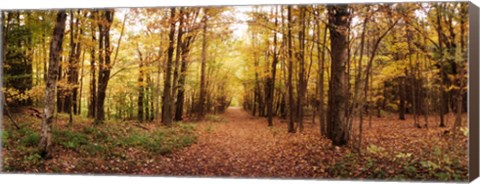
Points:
x=85 y=140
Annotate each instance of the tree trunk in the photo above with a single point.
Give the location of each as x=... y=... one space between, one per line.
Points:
x=321 y=101
x=44 y=54
x=167 y=99
x=104 y=62
x=55 y=52
x=301 y=75
x=79 y=103
x=443 y=95
x=401 y=91
x=271 y=81
x=181 y=80
x=70 y=105
x=147 y=96
x=338 y=16
x=358 y=81
x=413 y=76
x=92 y=105
x=201 y=100
x=141 y=88
x=291 y=128
x=178 y=55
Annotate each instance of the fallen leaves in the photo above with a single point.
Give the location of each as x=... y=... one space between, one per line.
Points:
x=243 y=146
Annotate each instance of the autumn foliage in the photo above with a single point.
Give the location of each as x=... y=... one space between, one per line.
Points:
x=358 y=91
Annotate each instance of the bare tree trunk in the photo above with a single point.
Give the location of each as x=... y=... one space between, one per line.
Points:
x=55 y=52
x=185 y=47
x=201 y=100
x=178 y=55
x=147 y=95
x=442 y=71
x=70 y=105
x=461 y=72
x=141 y=88
x=167 y=98
x=401 y=89
x=271 y=80
x=182 y=79
x=44 y=54
x=92 y=105
x=104 y=70
x=412 y=77
x=291 y=128
x=358 y=82
x=79 y=103
x=321 y=108
x=301 y=75
x=338 y=16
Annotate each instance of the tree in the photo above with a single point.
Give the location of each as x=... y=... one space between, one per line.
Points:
x=190 y=31
x=321 y=74
x=18 y=46
x=92 y=105
x=271 y=78
x=104 y=25
x=167 y=98
x=291 y=128
x=141 y=87
x=338 y=17
x=178 y=53
x=201 y=101
x=301 y=74
x=55 y=52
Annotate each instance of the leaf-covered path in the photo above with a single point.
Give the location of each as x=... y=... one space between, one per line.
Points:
x=236 y=144
x=242 y=145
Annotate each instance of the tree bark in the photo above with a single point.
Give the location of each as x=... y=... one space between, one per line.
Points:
x=104 y=62
x=181 y=81
x=321 y=101
x=79 y=100
x=178 y=55
x=201 y=100
x=291 y=128
x=401 y=90
x=92 y=105
x=358 y=81
x=167 y=99
x=55 y=52
x=338 y=16
x=141 y=88
x=271 y=80
x=301 y=75
x=443 y=95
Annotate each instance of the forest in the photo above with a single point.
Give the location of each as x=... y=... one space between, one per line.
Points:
x=336 y=91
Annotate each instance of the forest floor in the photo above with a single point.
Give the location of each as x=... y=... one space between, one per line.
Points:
x=236 y=144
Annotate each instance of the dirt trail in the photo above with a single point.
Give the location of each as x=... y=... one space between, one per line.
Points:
x=243 y=146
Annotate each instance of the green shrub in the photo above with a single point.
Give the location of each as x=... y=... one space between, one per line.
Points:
x=132 y=140
x=4 y=136
x=186 y=127
x=30 y=138
x=187 y=140
x=94 y=149
x=161 y=141
x=70 y=139
x=100 y=135
x=215 y=118
x=34 y=158
x=160 y=149
x=88 y=130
